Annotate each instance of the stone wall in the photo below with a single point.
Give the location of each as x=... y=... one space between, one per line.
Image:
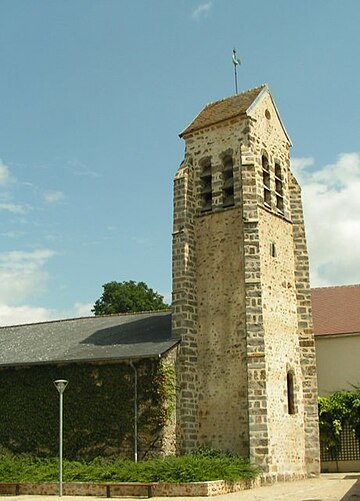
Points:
x=184 y=306
x=241 y=285
x=209 y=269
x=281 y=345
x=152 y=489
x=221 y=334
x=306 y=333
x=279 y=303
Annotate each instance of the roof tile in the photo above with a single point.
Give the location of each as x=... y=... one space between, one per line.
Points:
x=336 y=310
x=115 y=337
x=224 y=109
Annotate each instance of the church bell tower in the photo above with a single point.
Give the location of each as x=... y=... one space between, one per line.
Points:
x=246 y=370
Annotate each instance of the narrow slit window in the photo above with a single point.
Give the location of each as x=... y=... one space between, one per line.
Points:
x=272 y=249
x=290 y=392
x=228 y=182
x=266 y=180
x=206 y=187
x=279 y=188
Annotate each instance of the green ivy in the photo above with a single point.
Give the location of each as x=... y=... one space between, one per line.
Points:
x=98 y=409
x=165 y=381
x=334 y=411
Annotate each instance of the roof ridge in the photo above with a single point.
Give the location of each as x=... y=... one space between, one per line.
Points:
x=334 y=287
x=230 y=107
x=261 y=86
x=60 y=320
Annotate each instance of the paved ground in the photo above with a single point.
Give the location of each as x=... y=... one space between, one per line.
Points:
x=328 y=487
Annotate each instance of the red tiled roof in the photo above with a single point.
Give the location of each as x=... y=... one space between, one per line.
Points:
x=336 y=310
x=224 y=109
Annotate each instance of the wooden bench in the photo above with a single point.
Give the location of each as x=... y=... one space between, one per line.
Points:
x=10 y=488
x=148 y=487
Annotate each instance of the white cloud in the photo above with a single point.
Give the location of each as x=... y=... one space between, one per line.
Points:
x=52 y=197
x=22 y=275
x=202 y=10
x=25 y=314
x=5 y=176
x=82 y=309
x=6 y=204
x=80 y=169
x=13 y=208
x=16 y=315
x=301 y=163
x=332 y=207
x=12 y=234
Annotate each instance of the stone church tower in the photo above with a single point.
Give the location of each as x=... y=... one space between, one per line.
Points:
x=241 y=297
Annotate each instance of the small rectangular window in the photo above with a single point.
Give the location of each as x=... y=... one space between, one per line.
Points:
x=272 y=250
x=290 y=392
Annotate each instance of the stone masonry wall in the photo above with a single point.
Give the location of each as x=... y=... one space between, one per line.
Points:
x=241 y=300
x=221 y=332
x=306 y=333
x=281 y=345
x=255 y=346
x=184 y=307
x=282 y=434
x=218 y=349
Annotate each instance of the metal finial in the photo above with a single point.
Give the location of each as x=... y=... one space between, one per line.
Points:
x=236 y=62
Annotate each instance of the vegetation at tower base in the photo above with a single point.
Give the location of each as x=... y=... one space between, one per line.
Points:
x=126 y=297
x=98 y=409
x=334 y=411
x=195 y=467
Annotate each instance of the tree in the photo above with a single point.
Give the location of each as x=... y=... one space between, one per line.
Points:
x=125 y=297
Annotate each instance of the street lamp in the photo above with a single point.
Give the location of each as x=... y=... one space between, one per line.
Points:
x=60 y=385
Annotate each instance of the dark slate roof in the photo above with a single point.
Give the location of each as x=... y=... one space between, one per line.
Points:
x=116 y=337
x=336 y=310
x=224 y=109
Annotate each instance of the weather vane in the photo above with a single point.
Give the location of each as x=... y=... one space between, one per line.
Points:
x=236 y=62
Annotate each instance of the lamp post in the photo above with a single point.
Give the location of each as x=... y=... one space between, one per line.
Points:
x=60 y=385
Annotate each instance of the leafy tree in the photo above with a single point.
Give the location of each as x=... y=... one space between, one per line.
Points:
x=125 y=297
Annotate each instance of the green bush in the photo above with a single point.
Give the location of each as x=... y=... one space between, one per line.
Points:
x=194 y=467
x=334 y=411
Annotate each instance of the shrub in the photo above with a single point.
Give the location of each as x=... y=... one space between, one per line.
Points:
x=334 y=411
x=194 y=467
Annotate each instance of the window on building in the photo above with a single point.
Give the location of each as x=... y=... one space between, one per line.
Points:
x=272 y=249
x=266 y=180
x=228 y=182
x=290 y=392
x=279 y=188
x=206 y=187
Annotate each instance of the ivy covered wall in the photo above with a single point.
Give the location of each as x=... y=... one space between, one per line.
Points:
x=98 y=409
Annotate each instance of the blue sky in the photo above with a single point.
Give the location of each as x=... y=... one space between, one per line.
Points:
x=93 y=94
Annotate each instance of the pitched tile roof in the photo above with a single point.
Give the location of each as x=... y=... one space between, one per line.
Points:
x=139 y=335
x=224 y=109
x=336 y=310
